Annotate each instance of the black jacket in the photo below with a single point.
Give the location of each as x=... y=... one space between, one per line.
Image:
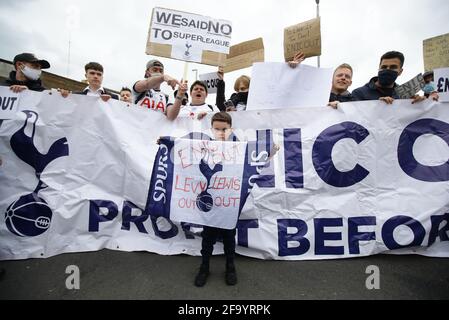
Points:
x=34 y=85
x=344 y=97
x=371 y=92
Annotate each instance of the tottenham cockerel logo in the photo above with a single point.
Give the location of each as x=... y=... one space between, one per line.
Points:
x=204 y=200
x=30 y=215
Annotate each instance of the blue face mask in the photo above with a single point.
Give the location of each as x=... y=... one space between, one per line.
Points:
x=429 y=87
x=387 y=77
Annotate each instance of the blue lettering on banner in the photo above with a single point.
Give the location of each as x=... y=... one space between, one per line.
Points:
x=435 y=231
x=171 y=233
x=391 y=224
x=160 y=191
x=242 y=230
x=443 y=85
x=321 y=236
x=95 y=216
x=354 y=236
x=407 y=160
x=127 y=217
x=294 y=177
x=322 y=154
x=284 y=237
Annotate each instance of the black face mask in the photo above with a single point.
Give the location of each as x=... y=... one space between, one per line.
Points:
x=387 y=77
x=241 y=97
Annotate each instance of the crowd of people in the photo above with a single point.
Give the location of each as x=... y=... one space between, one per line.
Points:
x=147 y=93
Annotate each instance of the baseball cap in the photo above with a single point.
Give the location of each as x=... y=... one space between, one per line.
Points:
x=29 y=57
x=154 y=63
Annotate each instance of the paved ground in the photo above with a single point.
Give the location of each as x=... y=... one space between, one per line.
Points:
x=139 y=275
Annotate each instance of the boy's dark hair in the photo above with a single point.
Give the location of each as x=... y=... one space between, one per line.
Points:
x=393 y=55
x=223 y=117
x=125 y=89
x=198 y=83
x=93 y=66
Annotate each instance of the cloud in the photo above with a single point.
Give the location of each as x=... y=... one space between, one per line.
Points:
x=114 y=33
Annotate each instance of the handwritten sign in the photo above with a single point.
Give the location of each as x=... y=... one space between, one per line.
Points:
x=409 y=89
x=305 y=37
x=436 y=52
x=188 y=37
x=244 y=54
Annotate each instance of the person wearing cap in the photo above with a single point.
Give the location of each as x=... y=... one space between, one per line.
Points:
x=429 y=87
x=28 y=70
x=147 y=93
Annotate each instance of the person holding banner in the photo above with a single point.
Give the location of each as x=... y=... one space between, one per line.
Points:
x=222 y=130
x=28 y=70
x=198 y=106
x=147 y=93
x=383 y=86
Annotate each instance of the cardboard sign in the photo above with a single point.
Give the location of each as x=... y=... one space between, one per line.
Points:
x=409 y=89
x=211 y=80
x=436 y=52
x=188 y=37
x=9 y=102
x=244 y=54
x=305 y=37
x=441 y=77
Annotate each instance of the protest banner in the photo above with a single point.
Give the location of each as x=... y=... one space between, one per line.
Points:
x=305 y=37
x=244 y=54
x=436 y=52
x=368 y=179
x=188 y=37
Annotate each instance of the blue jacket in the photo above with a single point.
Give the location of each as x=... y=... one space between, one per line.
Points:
x=371 y=92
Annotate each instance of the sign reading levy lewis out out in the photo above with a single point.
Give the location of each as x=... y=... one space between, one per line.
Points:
x=305 y=37
x=436 y=52
x=189 y=37
x=244 y=54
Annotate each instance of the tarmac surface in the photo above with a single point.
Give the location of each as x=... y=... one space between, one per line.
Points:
x=115 y=275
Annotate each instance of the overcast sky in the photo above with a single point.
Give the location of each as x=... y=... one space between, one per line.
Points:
x=114 y=33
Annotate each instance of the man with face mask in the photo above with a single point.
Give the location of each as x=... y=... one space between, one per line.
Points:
x=383 y=86
x=27 y=73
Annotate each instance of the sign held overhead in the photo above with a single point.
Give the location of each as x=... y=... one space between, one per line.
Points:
x=188 y=37
x=244 y=54
x=436 y=52
x=305 y=37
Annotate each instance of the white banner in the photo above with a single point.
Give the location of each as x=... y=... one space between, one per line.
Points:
x=364 y=179
x=189 y=34
x=275 y=85
x=441 y=77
